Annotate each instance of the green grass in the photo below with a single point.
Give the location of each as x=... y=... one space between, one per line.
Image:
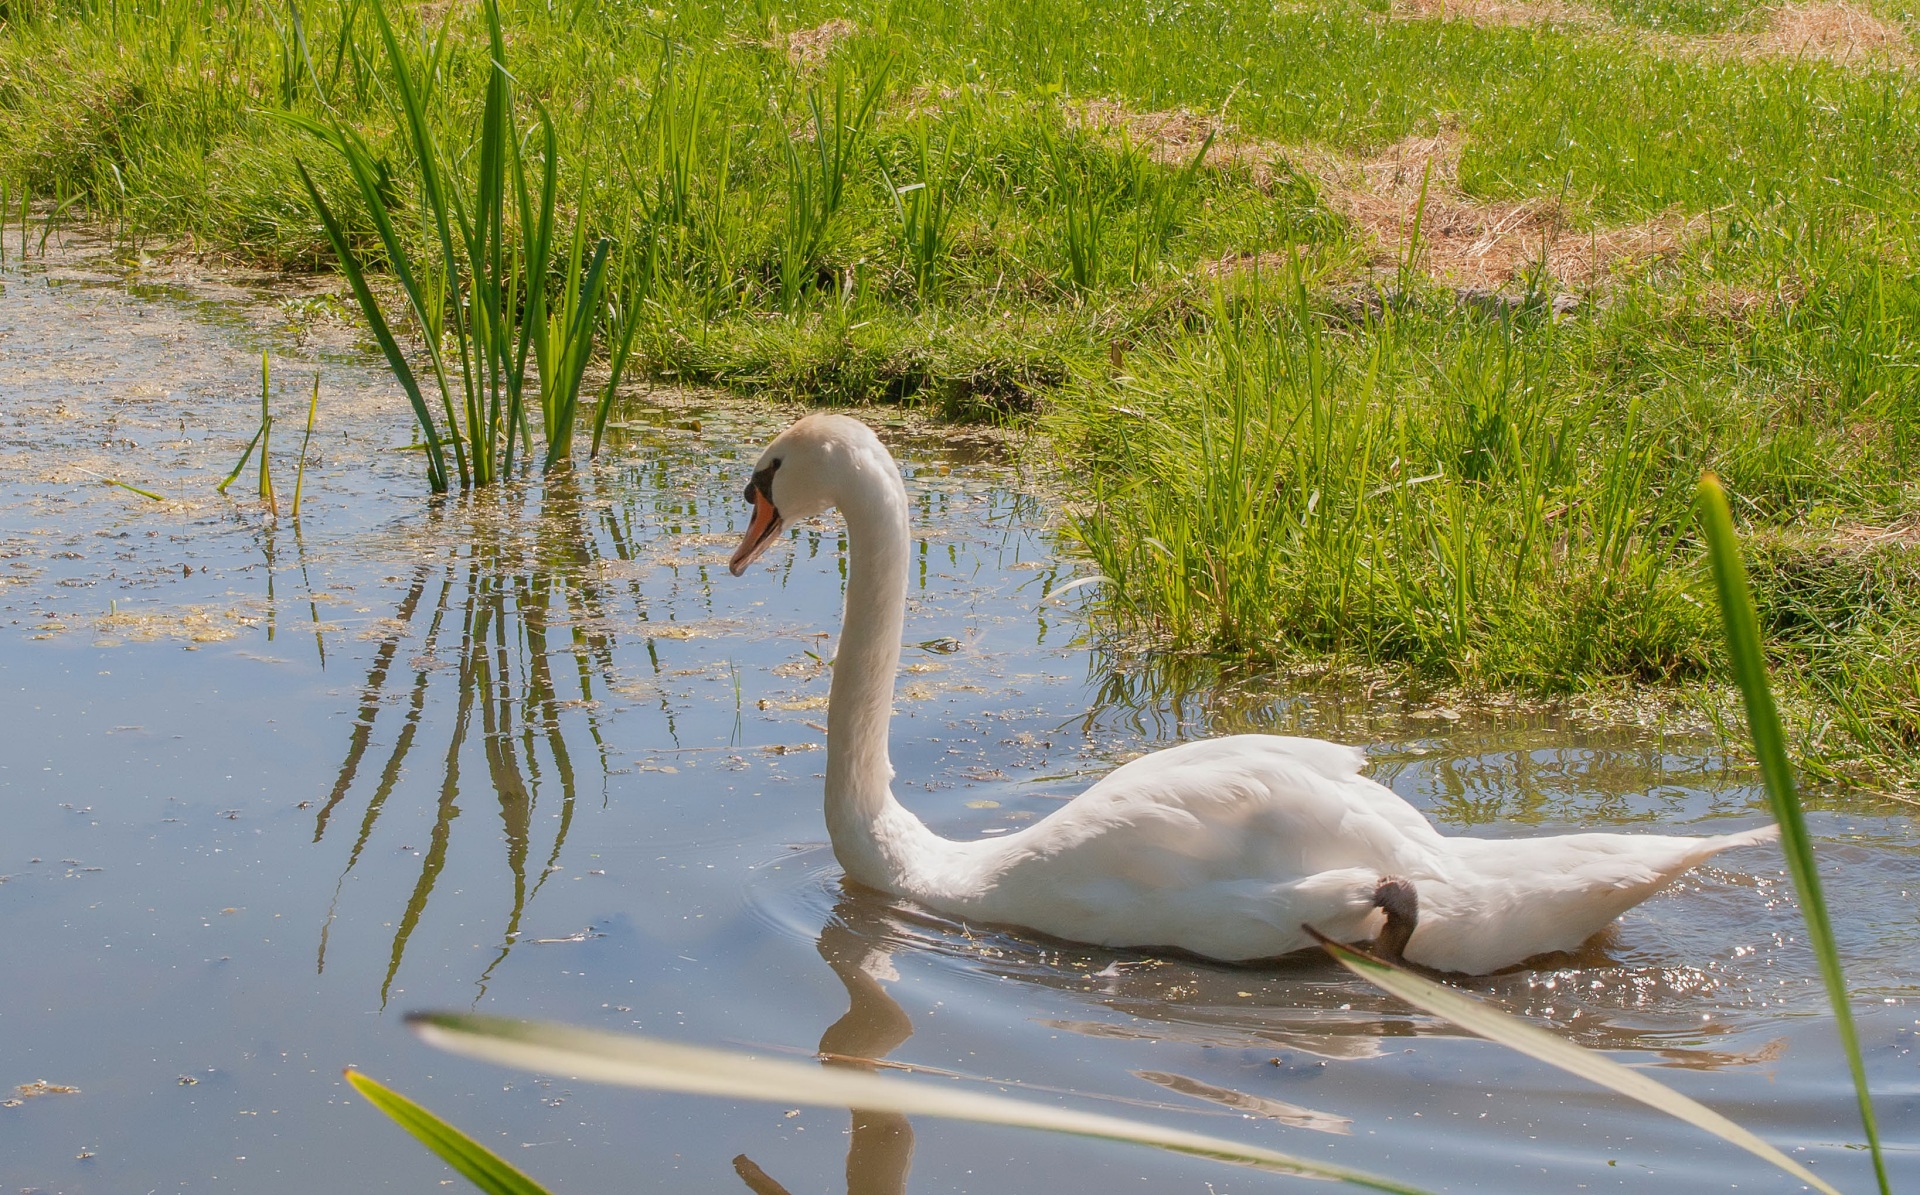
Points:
x=928 y=211
x=1337 y=495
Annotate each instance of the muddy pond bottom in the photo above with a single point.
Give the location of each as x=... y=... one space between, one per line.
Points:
x=270 y=783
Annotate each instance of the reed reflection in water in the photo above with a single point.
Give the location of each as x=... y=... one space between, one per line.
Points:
x=527 y=607
x=269 y=547
x=508 y=612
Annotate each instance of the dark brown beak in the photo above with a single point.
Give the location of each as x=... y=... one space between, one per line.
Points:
x=760 y=532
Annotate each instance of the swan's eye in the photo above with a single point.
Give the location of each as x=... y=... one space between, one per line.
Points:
x=762 y=482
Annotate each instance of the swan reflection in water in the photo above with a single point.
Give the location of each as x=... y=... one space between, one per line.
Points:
x=1307 y=1011
x=855 y=943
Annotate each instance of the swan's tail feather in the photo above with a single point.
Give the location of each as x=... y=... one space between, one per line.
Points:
x=1548 y=894
x=1726 y=842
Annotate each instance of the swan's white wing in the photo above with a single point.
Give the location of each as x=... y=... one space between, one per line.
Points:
x=1300 y=805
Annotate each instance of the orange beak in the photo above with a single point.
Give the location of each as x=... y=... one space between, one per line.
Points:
x=761 y=530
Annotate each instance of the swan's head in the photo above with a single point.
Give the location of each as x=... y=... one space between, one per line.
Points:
x=805 y=472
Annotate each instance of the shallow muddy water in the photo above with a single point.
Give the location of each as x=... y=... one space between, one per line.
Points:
x=269 y=785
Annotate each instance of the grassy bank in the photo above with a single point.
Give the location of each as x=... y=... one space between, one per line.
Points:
x=1392 y=335
x=1494 y=500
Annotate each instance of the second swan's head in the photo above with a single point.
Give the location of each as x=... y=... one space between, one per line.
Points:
x=805 y=472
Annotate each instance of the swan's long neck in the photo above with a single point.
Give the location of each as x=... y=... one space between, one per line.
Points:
x=874 y=837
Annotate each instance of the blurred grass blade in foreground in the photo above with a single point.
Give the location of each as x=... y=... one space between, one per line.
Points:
x=1464 y=1011
x=1769 y=746
x=472 y=1159
x=635 y=1061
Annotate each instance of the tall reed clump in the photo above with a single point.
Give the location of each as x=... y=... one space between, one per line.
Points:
x=925 y=208
x=1433 y=500
x=817 y=177
x=679 y=168
x=480 y=292
x=1086 y=212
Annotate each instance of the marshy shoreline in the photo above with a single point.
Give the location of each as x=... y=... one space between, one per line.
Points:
x=1387 y=342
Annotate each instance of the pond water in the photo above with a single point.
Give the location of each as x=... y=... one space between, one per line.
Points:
x=269 y=784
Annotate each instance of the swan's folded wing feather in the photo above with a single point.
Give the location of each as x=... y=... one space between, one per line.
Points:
x=1314 y=784
x=1249 y=807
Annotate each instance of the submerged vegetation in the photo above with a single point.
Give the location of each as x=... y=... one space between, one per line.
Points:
x=1387 y=335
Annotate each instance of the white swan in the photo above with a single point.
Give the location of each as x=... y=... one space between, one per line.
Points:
x=1223 y=848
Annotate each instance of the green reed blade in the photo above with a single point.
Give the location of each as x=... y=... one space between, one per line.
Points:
x=537 y=233
x=365 y=169
x=242 y=462
x=397 y=360
x=300 y=470
x=266 y=437
x=429 y=308
x=626 y=320
x=635 y=1061
x=478 y=1164
x=578 y=349
x=487 y=252
x=136 y=489
x=1748 y=658
x=413 y=107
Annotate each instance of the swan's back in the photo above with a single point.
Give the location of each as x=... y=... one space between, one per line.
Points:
x=1297 y=804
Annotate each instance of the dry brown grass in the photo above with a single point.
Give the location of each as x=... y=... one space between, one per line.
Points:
x=1253 y=263
x=1737 y=303
x=1500 y=12
x=1904 y=535
x=927 y=100
x=807 y=49
x=1841 y=33
x=1463 y=242
x=1173 y=137
x=1162 y=134
x=1470 y=243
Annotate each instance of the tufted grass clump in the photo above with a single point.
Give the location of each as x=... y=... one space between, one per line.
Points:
x=481 y=296
x=1439 y=495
